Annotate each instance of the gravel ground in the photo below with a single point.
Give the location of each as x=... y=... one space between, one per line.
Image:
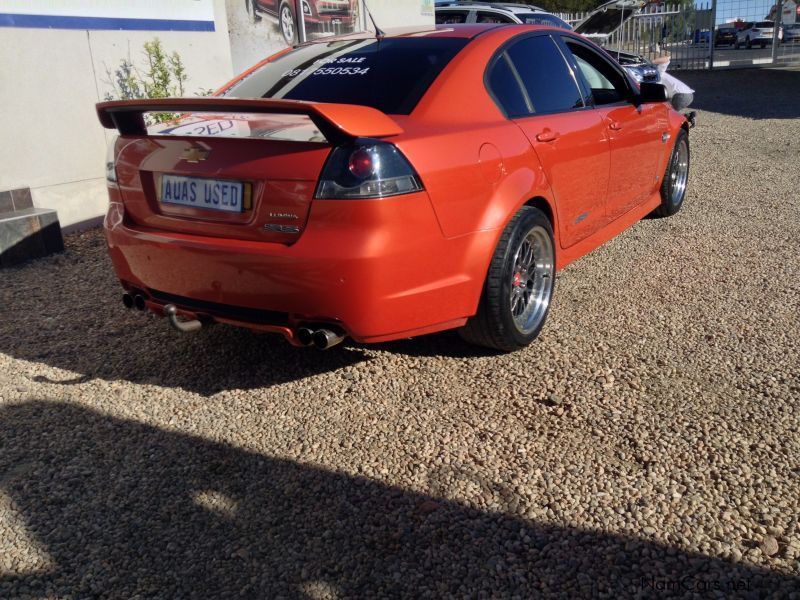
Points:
x=646 y=445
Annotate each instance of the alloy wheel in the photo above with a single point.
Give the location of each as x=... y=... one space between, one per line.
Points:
x=679 y=172
x=532 y=277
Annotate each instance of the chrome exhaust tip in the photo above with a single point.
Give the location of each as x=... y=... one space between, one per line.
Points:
x=127 y=300
x=305 y=336
x=325 y=339
x=171 y=312
x=139 y=302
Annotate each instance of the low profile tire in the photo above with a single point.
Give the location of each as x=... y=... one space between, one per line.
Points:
x=519 y=285
x=287 y=23
x=673 y=188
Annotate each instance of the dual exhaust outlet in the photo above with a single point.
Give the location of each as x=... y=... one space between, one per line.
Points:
x=322 y=339
x=136 y=301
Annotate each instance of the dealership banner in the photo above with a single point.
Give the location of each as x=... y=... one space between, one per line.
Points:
x=136 y=15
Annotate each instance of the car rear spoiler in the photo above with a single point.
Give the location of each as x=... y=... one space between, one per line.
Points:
x=335 y=121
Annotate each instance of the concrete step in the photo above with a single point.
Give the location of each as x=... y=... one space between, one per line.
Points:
x=27 y=233
x=12 y=200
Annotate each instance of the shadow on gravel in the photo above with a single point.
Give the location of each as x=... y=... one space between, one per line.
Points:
x=66 y=312
x=123 y=509
x=750 y=93
x=446 y=343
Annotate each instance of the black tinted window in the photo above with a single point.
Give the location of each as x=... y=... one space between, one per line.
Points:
x=608 y=85
x=545 y=75
x=543 y=19
x=391 y=75
x=491 y=17
x=507 y=88
x=451 y=17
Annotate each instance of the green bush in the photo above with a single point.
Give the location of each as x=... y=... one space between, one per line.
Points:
x=162 y=75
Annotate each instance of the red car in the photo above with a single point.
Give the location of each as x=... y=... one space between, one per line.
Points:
x=318 y=14
x=388 y=188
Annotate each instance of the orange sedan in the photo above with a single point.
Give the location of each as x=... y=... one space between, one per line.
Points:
x=387 y=187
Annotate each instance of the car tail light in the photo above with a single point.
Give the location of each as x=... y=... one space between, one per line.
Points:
x=367 y=169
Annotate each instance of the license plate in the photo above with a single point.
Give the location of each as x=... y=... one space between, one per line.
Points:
x=199 y=192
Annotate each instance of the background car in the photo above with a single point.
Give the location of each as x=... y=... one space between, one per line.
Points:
x=725 y=36
x=759 y=34
x=316 y=13
x=455 y=12
x=791 y=33
x=600 y=24
x=637 y=65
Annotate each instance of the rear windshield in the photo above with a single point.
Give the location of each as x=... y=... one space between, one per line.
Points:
x=391 y=75
x=764 y=24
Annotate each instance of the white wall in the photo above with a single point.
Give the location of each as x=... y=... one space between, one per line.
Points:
x=401 y=13
x=50 y=80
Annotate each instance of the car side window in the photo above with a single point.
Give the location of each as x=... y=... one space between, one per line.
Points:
x=607 y=84
x=545 y=75
x=506 y=87
x=451 y=17
x=491 y=17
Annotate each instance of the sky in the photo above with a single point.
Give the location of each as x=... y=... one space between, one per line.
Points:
x=749 y=10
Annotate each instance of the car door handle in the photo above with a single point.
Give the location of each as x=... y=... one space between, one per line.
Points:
x=615 y=125
x=548 y=135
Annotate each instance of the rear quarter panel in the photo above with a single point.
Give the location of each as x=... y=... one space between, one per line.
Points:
x=478 y=178
x=470 y=189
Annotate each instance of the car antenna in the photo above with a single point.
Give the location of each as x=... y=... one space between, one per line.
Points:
x=379 y=33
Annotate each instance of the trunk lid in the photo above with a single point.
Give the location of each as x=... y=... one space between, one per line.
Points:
x=215 y=171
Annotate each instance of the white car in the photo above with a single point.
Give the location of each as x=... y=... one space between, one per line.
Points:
x=455 y=12
x=757 y=34
x=791 y=33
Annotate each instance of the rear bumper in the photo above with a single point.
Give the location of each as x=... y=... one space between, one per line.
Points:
x=376 y=269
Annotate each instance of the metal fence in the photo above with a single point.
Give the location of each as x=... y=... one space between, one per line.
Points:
x=693 y=33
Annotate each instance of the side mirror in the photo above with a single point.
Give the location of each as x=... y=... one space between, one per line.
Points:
x=651 y=92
